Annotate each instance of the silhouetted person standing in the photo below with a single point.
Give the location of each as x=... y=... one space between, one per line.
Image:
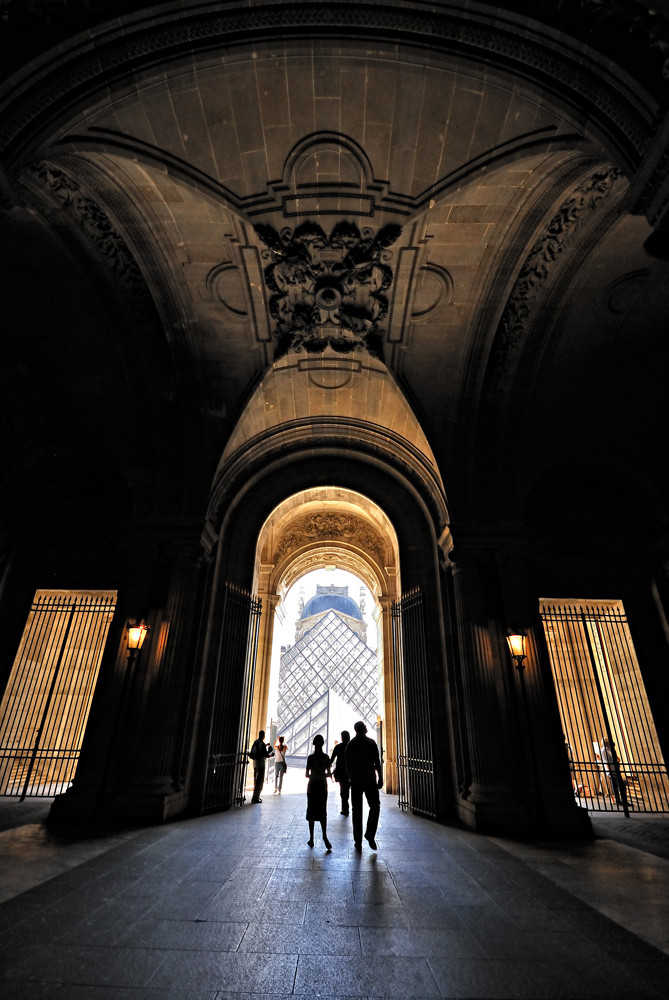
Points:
x=259 y=753
x=364 y=765
x=339 y=772
x=611 y=764
x=280 y=766
x=318 y=772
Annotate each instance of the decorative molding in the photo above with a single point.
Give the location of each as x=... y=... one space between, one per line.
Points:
x=649 y=191
x=301 y=191
x=94 y=224
x=622 y=294
x=511 y=43
x=328 y=290
x=434 y=290
x=623 y=27
x=537 y=267
x=329 y=527
x=224 y=283
x=328 y=434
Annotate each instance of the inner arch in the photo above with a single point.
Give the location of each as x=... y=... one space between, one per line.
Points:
x=320 y=528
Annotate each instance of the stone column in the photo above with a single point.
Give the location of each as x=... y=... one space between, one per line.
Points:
x=153 y=786
x=487 y=799
x=264 y=656
x=538 y=741
x=116 y=709
x=390 y=727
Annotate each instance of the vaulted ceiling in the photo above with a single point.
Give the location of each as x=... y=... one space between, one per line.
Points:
x=154 y=181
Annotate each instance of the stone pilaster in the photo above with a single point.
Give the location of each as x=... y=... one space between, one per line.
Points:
x=154 y=783
x=537 y=739
x=384 y=624
x=485 y=796
x=512 y=774
x=263 y=661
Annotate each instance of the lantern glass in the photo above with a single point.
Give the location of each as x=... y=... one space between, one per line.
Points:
x=136 y=635
x=516 y=643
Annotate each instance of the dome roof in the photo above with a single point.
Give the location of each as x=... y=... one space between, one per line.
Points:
x=337 y=602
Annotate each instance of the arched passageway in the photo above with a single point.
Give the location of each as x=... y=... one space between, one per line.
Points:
x=373 y=501
x=282 y=248
x=337 y=528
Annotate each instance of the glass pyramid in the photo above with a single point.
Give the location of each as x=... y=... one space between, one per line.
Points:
x=330 y=656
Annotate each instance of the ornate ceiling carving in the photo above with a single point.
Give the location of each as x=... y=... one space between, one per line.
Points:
x=330 y=527
x=541 y=259
x=93 y=223
x=328 y=290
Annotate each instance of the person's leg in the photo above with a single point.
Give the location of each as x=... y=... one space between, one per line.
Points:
x=374 y=803
x=259 y=775
x=344 y=787
x=277 y=777
x=282 y=771
x=324 y=830
x=310 y=842
x=356 y=810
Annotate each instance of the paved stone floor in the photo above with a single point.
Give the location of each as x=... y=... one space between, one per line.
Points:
x=237 y=906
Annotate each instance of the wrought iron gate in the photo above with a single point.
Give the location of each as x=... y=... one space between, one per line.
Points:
x=615 y=756
x=415 y=765
x=45 y=707
x=233 y=687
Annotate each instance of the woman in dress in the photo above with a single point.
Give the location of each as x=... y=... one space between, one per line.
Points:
x=318 y=771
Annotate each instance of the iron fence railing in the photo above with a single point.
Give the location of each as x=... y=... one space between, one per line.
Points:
x=231 y=700
x=415 y=763
x=45 y=706
x=614 y=753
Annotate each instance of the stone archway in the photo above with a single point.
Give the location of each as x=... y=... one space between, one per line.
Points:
x=329 y=526
x=329 y=463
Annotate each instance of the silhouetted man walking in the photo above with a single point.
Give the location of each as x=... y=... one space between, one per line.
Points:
x=363 y=765
x=259 y=753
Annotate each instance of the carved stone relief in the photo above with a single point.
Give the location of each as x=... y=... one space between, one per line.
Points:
x=538 y=265
x=330 y=526
x=328 y=290
x=95 y=225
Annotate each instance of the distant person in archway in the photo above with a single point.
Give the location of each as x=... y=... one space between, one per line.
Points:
x=280 y=765
x=339 y=772
x=363 y=764
x=318 y=772
x=611 y=763
x=259 y=753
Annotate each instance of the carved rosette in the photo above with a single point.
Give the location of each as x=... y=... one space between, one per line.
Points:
x=328 y=290
x=330 y=527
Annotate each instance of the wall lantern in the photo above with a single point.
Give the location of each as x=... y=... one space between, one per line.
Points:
x=516 y=641
x=136 y=636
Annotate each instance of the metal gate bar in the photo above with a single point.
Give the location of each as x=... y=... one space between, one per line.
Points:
x=601 y=695
x=415 y=763
x=45 y=707
x=231 y=700
x=247 y=704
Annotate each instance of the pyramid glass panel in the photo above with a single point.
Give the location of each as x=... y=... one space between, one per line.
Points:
x=329 y=657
